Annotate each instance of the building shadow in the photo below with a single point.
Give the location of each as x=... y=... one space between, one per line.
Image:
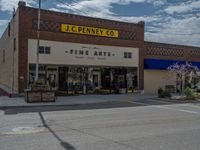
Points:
x=105 y=105
x=64 y=144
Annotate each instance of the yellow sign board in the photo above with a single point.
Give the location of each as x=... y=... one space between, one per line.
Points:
x=89 y=30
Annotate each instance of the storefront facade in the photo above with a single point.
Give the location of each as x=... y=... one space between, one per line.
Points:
x=84 y=68
x=158 y=57
x=79 y=54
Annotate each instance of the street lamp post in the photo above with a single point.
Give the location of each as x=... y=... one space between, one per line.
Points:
x=38 y=42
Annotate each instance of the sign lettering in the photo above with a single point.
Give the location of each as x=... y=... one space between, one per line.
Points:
x=89 y=30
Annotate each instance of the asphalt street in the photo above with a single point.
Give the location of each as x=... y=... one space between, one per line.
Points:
x=133 y=125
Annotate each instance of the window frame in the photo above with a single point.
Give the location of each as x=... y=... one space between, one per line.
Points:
x=4 y=56
x=45 y=50
x=125 y=55
x=128 y=55
x=14 y=44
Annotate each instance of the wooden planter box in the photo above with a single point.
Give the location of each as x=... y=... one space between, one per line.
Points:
x=39 y=96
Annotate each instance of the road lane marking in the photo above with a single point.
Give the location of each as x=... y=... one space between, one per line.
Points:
x=177 y=109
x=192 y=105
x=164 y=102
x=133 y=102
x=151 y=100
x=165 y=107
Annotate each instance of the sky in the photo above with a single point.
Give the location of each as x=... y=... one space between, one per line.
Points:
x=166 y=21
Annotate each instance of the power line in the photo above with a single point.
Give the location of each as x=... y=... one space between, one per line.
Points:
x=73 y=9
x=75 y=2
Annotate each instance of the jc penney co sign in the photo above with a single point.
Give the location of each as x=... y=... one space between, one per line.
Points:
x=89 y=30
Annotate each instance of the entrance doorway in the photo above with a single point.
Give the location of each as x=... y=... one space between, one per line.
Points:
x=52 y=77
x=97 y=80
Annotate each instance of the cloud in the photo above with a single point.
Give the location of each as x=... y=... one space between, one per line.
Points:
x=137 y=19
x=103 y=9
x=179 y=24
x=94 y=7
x=8 y=5
x=183 y=7
x=183 y=31
x=59 y=10
x=3 y=24
x=157 y=2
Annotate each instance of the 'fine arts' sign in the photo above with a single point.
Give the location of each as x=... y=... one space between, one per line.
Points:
x=67 y=53
x=89 y=30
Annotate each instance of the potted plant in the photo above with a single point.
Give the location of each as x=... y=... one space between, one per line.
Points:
x=39 y=92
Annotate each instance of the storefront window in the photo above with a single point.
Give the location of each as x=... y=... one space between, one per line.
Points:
x=75 y=79
x=79 y=80
x=41 y=73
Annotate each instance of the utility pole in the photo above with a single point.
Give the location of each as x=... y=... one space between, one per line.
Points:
x=14 y=49
x=38 y=42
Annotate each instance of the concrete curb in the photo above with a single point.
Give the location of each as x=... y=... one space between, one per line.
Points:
x=61 y=105
x=36 y=106
x=90 y=104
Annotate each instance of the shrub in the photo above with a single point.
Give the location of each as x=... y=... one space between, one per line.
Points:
x=190 y=94
x=163 y=94
x=167 y=94
x=160 y=91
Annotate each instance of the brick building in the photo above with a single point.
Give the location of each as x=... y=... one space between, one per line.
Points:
x=77 y=51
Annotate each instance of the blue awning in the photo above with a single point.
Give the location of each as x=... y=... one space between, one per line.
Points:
x=160 y=64
x=196 y=64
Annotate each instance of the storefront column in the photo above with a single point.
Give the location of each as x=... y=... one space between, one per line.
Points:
x=111 y=78
x=66 y=75
x=84 y=80
x=126 y=83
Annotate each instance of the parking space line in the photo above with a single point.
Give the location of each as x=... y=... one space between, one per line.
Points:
x=150 y=100
x=164 y=102
x=140 y=103
x=177 y=109
x=165 y=107
x=133 y=102
x=192 y=105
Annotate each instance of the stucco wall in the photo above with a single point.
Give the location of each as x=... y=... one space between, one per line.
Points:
x=9 y=69
x=61 y=54
x=154 y=79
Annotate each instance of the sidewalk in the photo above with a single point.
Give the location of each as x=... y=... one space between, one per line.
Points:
x=6 y=102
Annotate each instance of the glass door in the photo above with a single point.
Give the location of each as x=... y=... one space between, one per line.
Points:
x=52 y=77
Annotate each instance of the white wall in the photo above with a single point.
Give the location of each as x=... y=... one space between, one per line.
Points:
x=60 y=54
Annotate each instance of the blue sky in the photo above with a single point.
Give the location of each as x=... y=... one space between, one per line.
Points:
x=167 y=21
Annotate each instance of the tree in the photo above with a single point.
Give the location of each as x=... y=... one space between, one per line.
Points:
x=184 y=71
